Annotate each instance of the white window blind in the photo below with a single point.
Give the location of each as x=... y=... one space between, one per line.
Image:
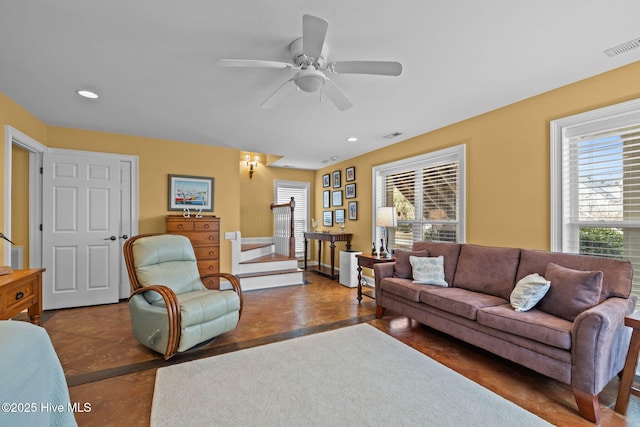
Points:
x=285 y=190
x=428 y=194
x=597 y=163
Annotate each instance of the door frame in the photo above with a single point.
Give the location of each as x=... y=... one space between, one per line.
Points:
x=36 y=150
x=15 y=137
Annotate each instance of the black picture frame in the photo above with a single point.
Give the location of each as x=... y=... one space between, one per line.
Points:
x=350 y=191
x=190 y=192
x=340 y=216
x=326 y=182
x=350 y=174
x=336 y=198
x=337 y=180
x=353 y=211
x=327 y=218
x=326 y=199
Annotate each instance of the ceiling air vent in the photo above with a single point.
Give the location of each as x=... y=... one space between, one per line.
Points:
x=622 y=48
x=393 y=135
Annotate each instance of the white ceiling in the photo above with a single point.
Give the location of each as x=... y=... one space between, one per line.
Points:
x=154 y=65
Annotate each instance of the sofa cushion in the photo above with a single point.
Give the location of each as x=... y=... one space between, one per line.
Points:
x=534 y=324
x=402 y=268
x=571 y=292
x=617 y=274
x=403 y=288
x=488 y=270
x=460 y=302
x=450 y=252
x=528 y=292
x=428 y=270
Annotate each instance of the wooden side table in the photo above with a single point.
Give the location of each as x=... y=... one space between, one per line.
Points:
x=21 y=290
x=368 y=261
x=629 y=372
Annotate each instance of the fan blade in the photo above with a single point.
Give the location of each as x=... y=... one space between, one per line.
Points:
x=384 y=68
x=336 y=96
x=277 y=96
x=253 y=63
x=314 y=31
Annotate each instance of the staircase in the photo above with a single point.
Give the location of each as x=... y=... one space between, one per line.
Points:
x=257 y=265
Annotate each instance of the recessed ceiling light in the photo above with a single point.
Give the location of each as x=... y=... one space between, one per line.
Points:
x=87 y=94
x=352 y=139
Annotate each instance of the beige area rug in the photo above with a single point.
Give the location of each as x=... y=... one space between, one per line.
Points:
x=355 y=376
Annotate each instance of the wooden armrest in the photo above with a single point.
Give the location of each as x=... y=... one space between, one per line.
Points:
x=233 y=279
x=173 y=315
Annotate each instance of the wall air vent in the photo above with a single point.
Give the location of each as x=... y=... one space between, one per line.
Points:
x=622 y=48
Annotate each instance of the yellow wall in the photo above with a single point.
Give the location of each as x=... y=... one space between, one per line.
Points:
x=157 y=159
x=507 y=166
x=508 y=171
x=20 y=201
x=257 y=194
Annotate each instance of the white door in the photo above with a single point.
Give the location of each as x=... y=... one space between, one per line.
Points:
x=81 y=222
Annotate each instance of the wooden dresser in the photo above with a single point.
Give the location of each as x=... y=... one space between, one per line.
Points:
x=21 y=290
x=204 y=234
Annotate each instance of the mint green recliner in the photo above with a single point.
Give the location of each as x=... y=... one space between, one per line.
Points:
x=171 y=310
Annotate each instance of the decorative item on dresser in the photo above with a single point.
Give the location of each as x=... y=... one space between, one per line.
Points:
x=204 y=233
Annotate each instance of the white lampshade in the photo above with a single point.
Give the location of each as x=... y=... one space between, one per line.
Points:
x=386 y=217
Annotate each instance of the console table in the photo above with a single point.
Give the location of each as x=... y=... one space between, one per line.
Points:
x=21 y=290
x=326 y=237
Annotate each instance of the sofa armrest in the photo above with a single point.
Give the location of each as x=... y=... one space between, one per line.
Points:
x=380 y=271
x=600 y=341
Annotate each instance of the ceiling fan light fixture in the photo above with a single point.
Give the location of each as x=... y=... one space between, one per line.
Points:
x=309 y=80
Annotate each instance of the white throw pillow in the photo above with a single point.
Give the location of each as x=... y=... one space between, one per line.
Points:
x=528 y=291
x=428 y=270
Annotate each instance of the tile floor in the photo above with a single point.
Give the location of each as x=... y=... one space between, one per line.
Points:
x=106 y=367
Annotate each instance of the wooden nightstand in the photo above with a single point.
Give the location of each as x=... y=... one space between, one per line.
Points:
x=368 y=261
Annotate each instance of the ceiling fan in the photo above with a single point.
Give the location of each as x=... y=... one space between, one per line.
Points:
x=309 y=55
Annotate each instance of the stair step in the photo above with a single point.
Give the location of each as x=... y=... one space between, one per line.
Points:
x=272 y=257
x=268 y=273
x=249 y=246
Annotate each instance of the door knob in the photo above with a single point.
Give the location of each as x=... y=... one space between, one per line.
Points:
x=111 y=238
x=124 y=236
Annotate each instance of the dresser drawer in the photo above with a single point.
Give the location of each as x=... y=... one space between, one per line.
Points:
x=181 y=226
x=207 y=252
x=211 y=282
x=207 y=267
x=204 y=238
x=206 y=225
x=15 y=297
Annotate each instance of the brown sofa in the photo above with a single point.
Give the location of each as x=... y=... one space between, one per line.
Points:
x=565 y=336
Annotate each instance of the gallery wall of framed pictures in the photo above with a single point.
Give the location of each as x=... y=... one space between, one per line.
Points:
x=339 y=196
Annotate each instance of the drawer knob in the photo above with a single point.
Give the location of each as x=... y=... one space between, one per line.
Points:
x=206 y=226
x=179 y=225
x=210 y=252
x=211 y=267
x=19 y=295
x=211 y=238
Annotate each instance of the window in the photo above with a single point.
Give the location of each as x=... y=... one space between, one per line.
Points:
x=596 y=184
x=428 y=194
x=285 y=190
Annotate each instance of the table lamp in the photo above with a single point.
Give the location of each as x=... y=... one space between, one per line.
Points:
x=386 y=217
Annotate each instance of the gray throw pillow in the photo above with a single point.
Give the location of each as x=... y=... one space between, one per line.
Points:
x=528 y=292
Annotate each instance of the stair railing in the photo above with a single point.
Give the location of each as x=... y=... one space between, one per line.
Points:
x=284 y=240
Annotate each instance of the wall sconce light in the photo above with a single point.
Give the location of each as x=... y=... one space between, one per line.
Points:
x=252 y=164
